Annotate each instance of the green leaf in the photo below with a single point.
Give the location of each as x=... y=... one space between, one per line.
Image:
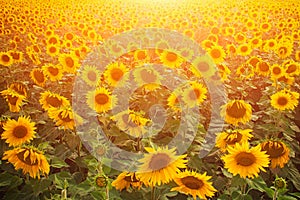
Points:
x=285 y=197
x=296 y=194
x=12 y=181
x=58 y=163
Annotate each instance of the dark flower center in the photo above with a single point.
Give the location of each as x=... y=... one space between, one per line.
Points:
x=192 y=182
x=101 y=99
x=159 y=161
x=27 y=160
x=274 y=149
x=237 y=110
x=20 y=131
x=245 y=159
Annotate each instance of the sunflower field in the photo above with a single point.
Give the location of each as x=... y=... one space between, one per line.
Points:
x=150 y=99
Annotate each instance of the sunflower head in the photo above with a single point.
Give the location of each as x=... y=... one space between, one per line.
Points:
x=236 y=111
x=245 y=161
x=278 y=152
x=29 y=159
x=18 y=132
x=126 y=180
x=160 y=166
x=195 y=184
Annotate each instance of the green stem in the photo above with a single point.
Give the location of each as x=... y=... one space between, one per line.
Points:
x=275 y=194
x=153 y=193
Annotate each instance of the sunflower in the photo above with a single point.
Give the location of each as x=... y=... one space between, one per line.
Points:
x=231 y=137
x=114 y=73
x=245 y=161
x=64 y=117
x=240 y=38
x=203 y=66
x=283 y=100
x=126 y=180
x=14 y=99
x=52 y=50
x=171 y=58
x=38 y=77
x=278 y=152
x=217 y=53
x=195 y=184
x=292 y=69
x=29 y=159
x=173 y=100
x=141 y=56
x=18 y=132
x=195 y=94
x=17 y=56
x=244 y=49
x=69 y=61
x=53 y=72
x=270 y=44
x=49 y=99
x=147 y=77
x=263 y=68
x=19 y=88
x=231 y=49
x=236 y=111
x=160 y=166
x=91 y=75
x=6 y=59
x=276 y=72
x=101 y=100
x=131 y=122
x=284 y=49
x=224 y=71
x=265 y=26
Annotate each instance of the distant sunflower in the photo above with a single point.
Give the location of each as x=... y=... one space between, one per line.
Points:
x=64 y=117
x=38 y=77
x=49 y=99
x=236 y=111
x=148 y=78
x=284 y=49
x=126 y=180
x=91 y=75
x=53 y=72
x=263 y=68
x=203 y=66
x=160 y=166
x=217 y=53
x=14 y=99
x=141 y=56
x=100 y=100
x=173 y=101
x=244 y=49
x=282 y=100
x=270 y=44
x=195 y=184
x=171 y=59
x=276 y=72
x=194 y=95
x=265 y=26
x=52 y=50
x=17 y=56
x=19 y=88
x=6 y=59
x=245 y=161
x=131 y=122
x=69 y=61
x=29 y=159
x=278 y=152
x=18 y=132
x=292 y=69
x=231 y=137
x=114 y=73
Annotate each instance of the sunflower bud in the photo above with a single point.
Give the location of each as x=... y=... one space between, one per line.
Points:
x=101 y=181
x=280 y=183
